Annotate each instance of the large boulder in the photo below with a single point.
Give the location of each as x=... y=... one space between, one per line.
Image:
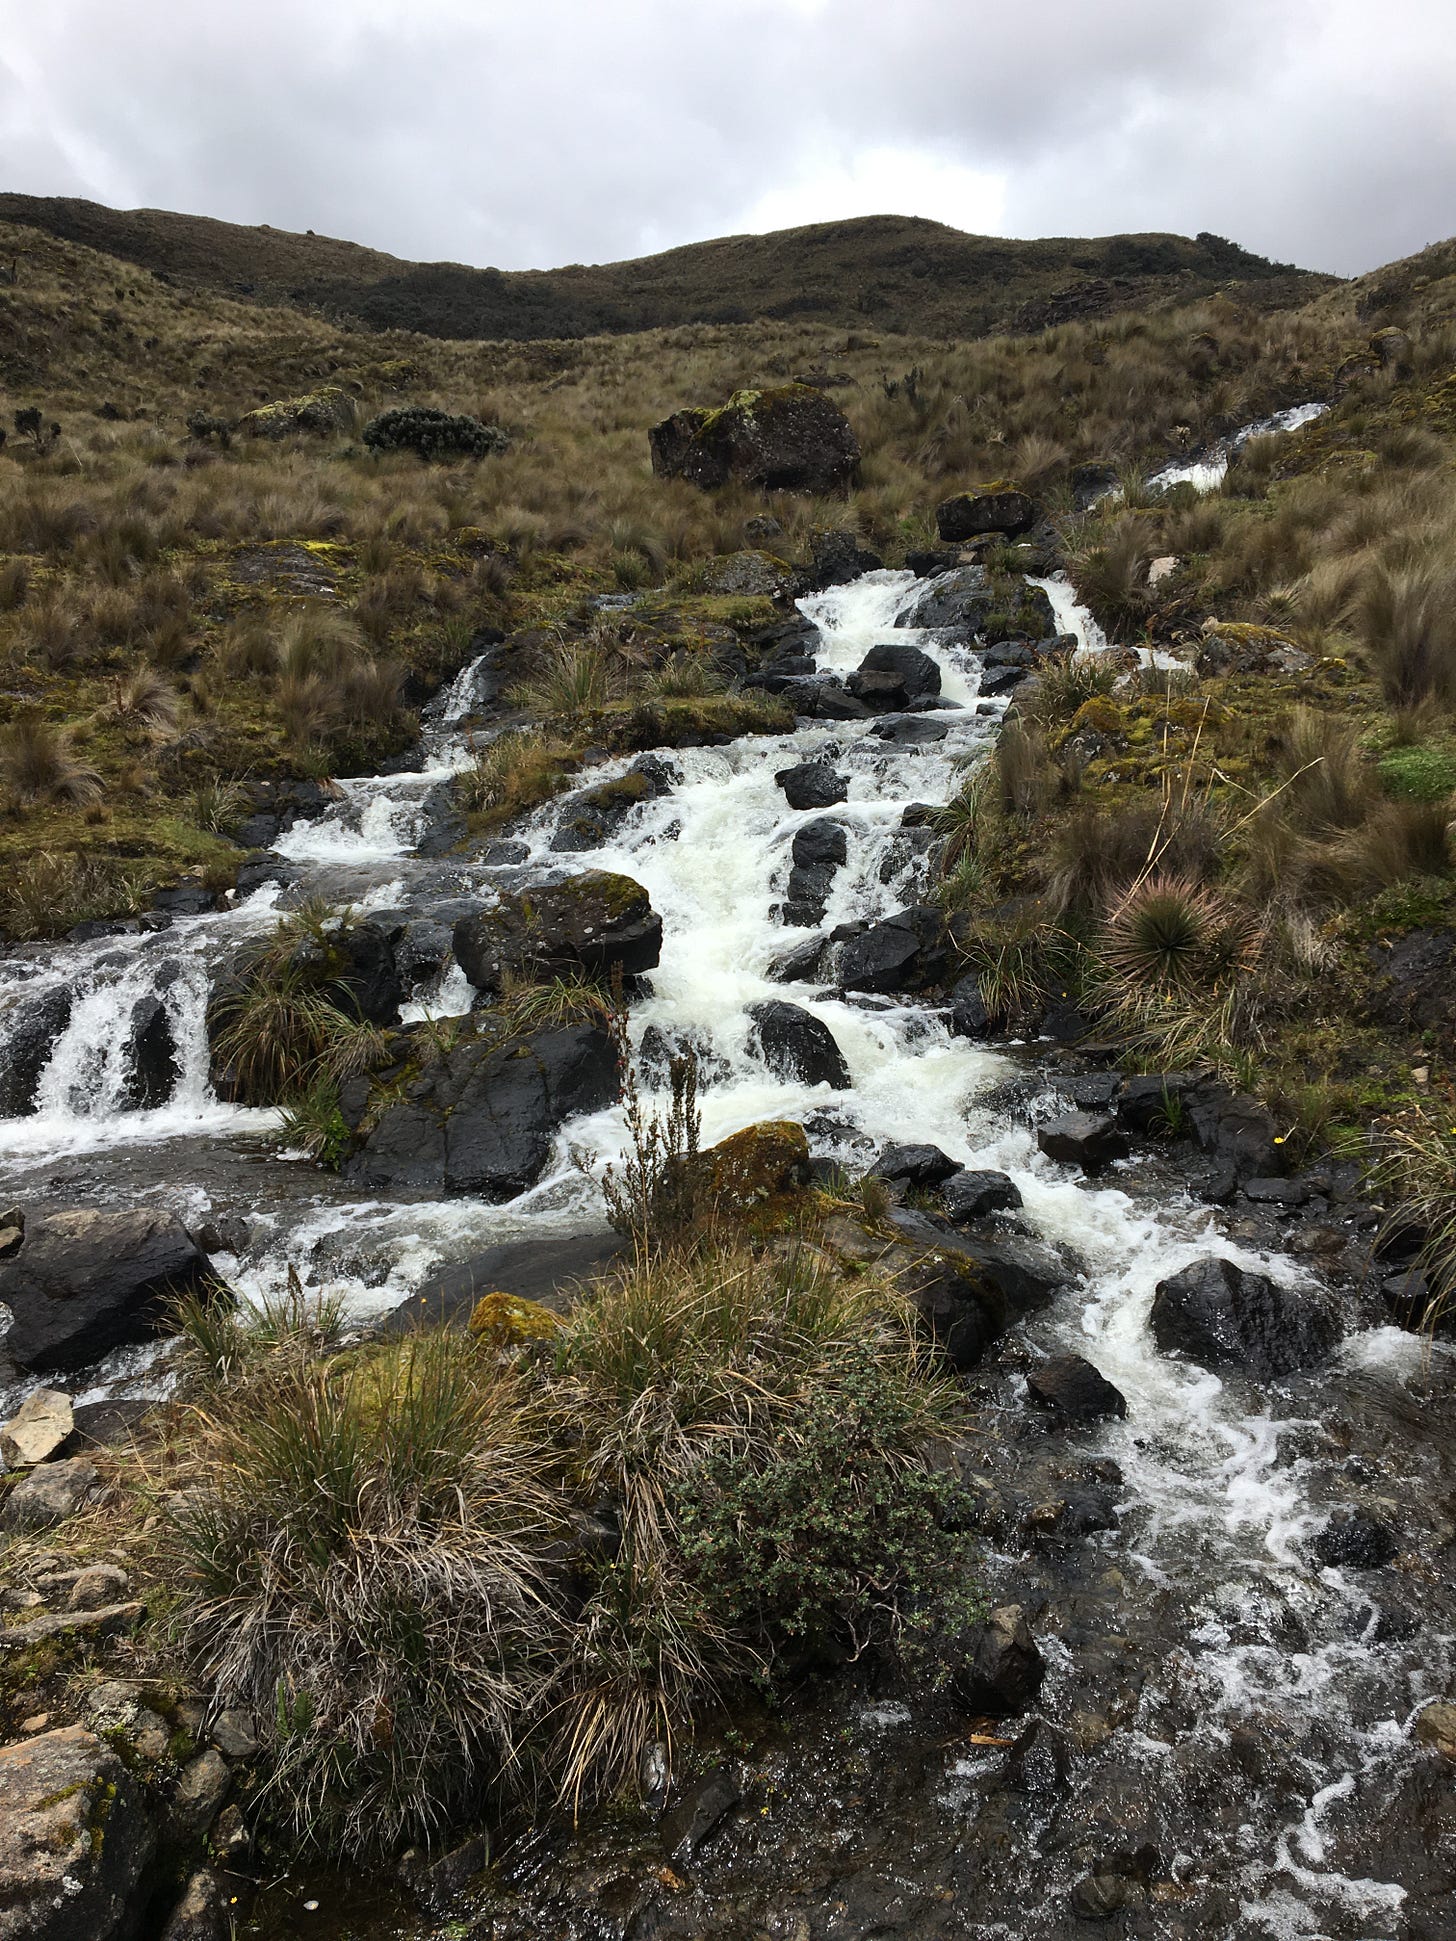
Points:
x=971 y=1195
x=1226 y=1317
x=961 y=599
x=478 y=1117
x=812 y=785
x=152 y=1064
x=835 y=558
x=789 y=438
x=86 y=1279
x=906 y=952
x=797 y=1046
x=596 y=922
x=994 y=509
x=75 y=1839
x=914 y=1165
x=893 y=675
x=29 y=1028
x=1072 y=1389
x=962 y=1306
x=820 y=849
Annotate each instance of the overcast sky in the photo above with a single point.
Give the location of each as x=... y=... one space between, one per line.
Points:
x=531 y=133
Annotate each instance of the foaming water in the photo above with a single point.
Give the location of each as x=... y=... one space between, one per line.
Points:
x=1208 y=473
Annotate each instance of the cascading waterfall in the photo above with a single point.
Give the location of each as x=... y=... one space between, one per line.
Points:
x=1210 y=1503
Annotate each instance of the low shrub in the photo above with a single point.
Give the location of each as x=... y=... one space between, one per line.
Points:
x=432 y=434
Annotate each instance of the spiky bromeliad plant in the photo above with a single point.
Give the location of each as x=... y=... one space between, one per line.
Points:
x=1177 y=958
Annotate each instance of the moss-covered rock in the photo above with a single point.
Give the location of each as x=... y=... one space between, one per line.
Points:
x=596 y=922
x=788 y=438
x=758 y=1179
x=315 y=415
x=996 y=508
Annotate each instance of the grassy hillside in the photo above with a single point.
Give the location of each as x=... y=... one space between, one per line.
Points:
x=887 y=272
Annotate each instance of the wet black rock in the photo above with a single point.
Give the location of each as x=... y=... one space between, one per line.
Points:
x=906 y=952
x=699 y=1813
x=1153 y=1101
x=1090 y=1140
x=592 y=815
x=804 y=964
x=1038 y=1763
x=959 y=599
x=595 y=922
x=813 y=785
x=28 y=1033
x=367 y=984
x=893 y=675
x=962 y=1306
x=1277 y=1192
x=796 y=1045
x=910 y=1165
x=970 y=515
x=1073 y=1389
x=909 y=731
x=1092 y=480
x=928 y=565
x=1223 y=1316
x=969 y=1016
x=820 y=848
x=1354 y=1540
x=1003 y=1669
x=822 y=697
x=479 y=1116
x=151 y=1062
x=86 y=1279
x=548 y=1267
x=1235 y=1128
x=421 y=952
x=967 y=1195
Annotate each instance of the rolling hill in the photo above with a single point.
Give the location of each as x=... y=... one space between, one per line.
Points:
x=886 y=272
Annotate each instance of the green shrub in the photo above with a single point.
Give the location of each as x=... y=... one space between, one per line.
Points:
x=831 y=1537
x=432 y=434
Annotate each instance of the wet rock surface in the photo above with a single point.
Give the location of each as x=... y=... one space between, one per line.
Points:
x=595 y=922
x=1224 y=1315
x=88 y=1278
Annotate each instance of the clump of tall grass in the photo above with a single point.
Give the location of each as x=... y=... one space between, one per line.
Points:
x=516 y=770
x=363 y=1560
x=37 y=764
x=1406 y=618
x=571 y=684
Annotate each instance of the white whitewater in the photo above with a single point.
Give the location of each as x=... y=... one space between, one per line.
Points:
x=1207 y=473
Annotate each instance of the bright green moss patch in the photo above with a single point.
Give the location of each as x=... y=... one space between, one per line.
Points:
x=1418 y=774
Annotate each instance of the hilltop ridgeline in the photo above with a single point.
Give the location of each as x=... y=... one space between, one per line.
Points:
x=897 y=273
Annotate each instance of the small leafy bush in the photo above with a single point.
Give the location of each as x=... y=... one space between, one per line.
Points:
x=432 y=434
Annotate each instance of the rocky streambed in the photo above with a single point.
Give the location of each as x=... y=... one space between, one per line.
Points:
x=1211 y=1479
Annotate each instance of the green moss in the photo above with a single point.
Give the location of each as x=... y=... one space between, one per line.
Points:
x=1418 y=774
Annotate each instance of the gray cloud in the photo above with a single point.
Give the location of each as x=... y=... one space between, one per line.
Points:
x=568 y=130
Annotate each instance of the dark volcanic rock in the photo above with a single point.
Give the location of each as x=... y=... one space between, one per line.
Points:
x=479 y=1117
x=547 y=1268
x=959 y=599
x=970 y=515
x=700 y=1811
x=1038 y=1763
x=798 y=1046
x=909 y=730
x=906 y=952
x=813 y=785
x=86 y=1279
x=1223 y=1316
x=790 y=438
x=28 y=1033
x=820 y=848
x=1153 y=1101
x=963 y=1307
x=1090 y=1140
x=969 y=1017
x=914 y=1165
x=595 y=922
x=1073 y=1388
x=1353 y=1540
x=892 y=675
x=1003 y=1669
x=152 y=1065
x=969 y=1195
x=589 y=817
x=368 y=985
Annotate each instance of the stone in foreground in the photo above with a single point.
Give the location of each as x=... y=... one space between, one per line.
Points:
x=87 y=1279
x=1226 y=1317
x=74 y=1839
x=37 y=1429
